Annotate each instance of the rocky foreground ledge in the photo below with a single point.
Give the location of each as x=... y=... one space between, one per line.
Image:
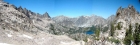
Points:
x=23 y=38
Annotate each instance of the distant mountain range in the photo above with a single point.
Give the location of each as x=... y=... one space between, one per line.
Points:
x=81 y=21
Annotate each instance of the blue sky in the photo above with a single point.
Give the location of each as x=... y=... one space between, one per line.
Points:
x=75 y=8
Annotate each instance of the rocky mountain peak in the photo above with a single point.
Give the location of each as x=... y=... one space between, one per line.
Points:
x=123 y=13
x=20 y=9
x=46 y=15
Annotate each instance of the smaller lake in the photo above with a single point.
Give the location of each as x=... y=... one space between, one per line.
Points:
x=89 y=32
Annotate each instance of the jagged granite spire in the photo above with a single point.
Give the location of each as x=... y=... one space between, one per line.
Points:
x=124 y=12
x=20 y=9
x=46 y=15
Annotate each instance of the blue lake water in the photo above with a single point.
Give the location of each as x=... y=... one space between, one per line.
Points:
x=89 y=32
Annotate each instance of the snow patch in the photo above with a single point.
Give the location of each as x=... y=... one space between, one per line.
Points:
x=27 y=36
x=5 y=44
x=9 y=35
x=72 y=43
x=64 y=43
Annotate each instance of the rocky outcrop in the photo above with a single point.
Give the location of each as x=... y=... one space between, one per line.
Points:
x=46 y=15
x=125 y=17
x=13 y=19
x=127 y=13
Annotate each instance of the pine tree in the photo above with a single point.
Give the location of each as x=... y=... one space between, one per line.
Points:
x=112 y=29
x=128 y=37
x=137 y=34
x=97 y=32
